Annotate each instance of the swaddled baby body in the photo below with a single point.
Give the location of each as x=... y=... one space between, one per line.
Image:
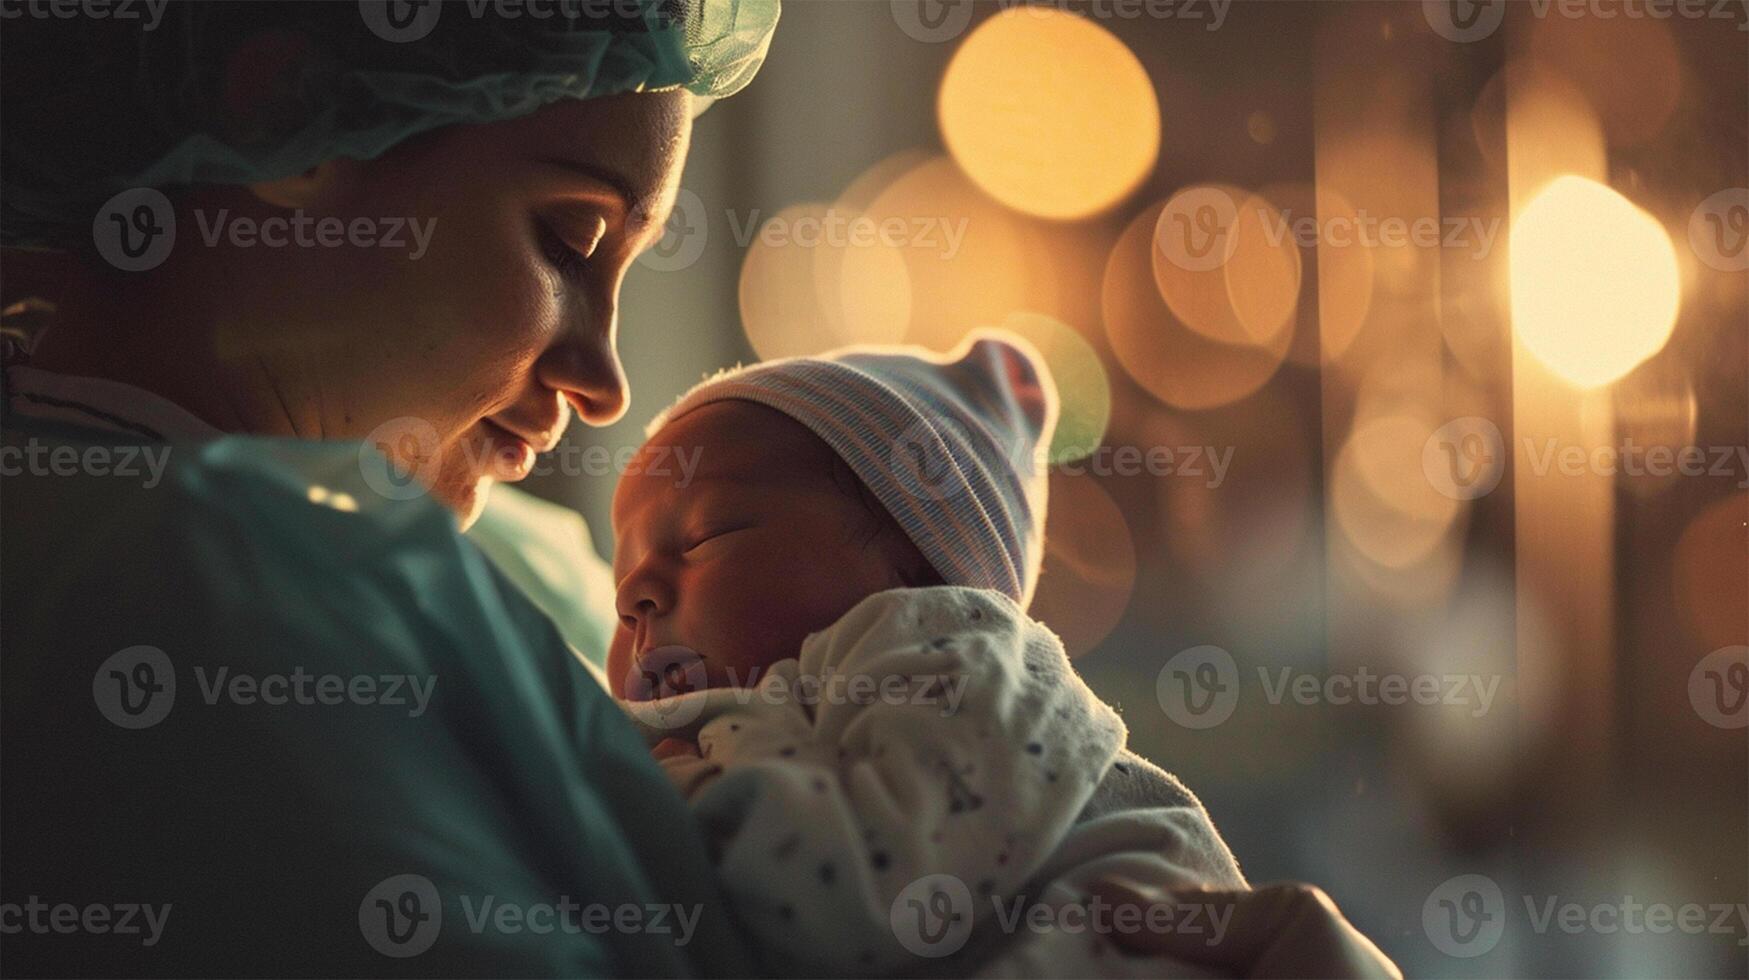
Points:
x=822 y=634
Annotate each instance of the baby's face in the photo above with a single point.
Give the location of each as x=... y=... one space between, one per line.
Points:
x=739 y=563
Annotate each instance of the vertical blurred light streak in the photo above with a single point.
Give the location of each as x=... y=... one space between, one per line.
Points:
x=1375 y=152
x=1564 y=524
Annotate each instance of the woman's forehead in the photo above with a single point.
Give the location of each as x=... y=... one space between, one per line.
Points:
x=641 y=137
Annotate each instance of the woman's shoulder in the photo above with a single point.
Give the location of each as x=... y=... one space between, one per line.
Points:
x=232 y=534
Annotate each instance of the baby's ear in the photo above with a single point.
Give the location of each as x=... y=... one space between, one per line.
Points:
x=324 y=180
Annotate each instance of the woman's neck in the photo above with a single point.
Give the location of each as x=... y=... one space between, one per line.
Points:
x=128 y=336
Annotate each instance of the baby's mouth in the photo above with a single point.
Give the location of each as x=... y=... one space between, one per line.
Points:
x=665 y=671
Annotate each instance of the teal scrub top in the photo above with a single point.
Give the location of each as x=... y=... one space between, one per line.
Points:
x=547 y=550
x=212 y=720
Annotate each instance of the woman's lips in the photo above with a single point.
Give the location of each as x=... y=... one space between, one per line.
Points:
x=509 y=456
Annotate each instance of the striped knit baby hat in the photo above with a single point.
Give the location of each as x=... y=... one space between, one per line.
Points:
x=953 y=446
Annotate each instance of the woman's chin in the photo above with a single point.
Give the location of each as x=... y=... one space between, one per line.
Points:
x=465 y=497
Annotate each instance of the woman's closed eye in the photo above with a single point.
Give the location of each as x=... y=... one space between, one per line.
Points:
x=568 y=244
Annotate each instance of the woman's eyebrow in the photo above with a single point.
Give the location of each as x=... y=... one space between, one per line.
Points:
x=637 y=217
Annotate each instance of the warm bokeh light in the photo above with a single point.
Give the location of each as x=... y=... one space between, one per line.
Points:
x=1049 y=113
x=1179 y=366
x=876 y=301
x=1595 y=285
x=1380 y=494
x=791 y=301
x=1250 y=297
x=1089 y=567
x=1653 y=409
x=1628 y=69
x=968 y=260
x=1083 y=390
x=1419 y=583
x=1551 y=108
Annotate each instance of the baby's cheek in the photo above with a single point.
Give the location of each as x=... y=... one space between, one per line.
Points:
x=619 y=661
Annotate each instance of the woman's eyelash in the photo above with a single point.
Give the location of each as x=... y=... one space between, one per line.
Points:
x=563 y=257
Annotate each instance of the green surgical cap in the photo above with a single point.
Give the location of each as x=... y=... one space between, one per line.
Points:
x=240 y=92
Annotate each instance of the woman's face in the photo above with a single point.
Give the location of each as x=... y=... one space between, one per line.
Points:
x=464 y=354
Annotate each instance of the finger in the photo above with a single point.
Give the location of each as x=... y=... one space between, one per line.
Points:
x=670 y=748
x=1197 y=926
x=1280 y=930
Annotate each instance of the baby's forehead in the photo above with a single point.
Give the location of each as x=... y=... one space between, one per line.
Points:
x=735 y=442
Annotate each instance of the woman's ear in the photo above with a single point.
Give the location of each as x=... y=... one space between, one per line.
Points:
x=323 y=181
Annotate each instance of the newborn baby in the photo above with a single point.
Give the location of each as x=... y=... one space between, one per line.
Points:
x=822 y=633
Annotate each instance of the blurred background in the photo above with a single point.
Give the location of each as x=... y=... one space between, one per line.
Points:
x=1402 y=502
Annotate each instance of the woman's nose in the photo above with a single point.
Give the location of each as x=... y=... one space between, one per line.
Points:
x=584 y=366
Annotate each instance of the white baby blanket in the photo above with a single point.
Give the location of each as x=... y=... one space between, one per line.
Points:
x=930 y=766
